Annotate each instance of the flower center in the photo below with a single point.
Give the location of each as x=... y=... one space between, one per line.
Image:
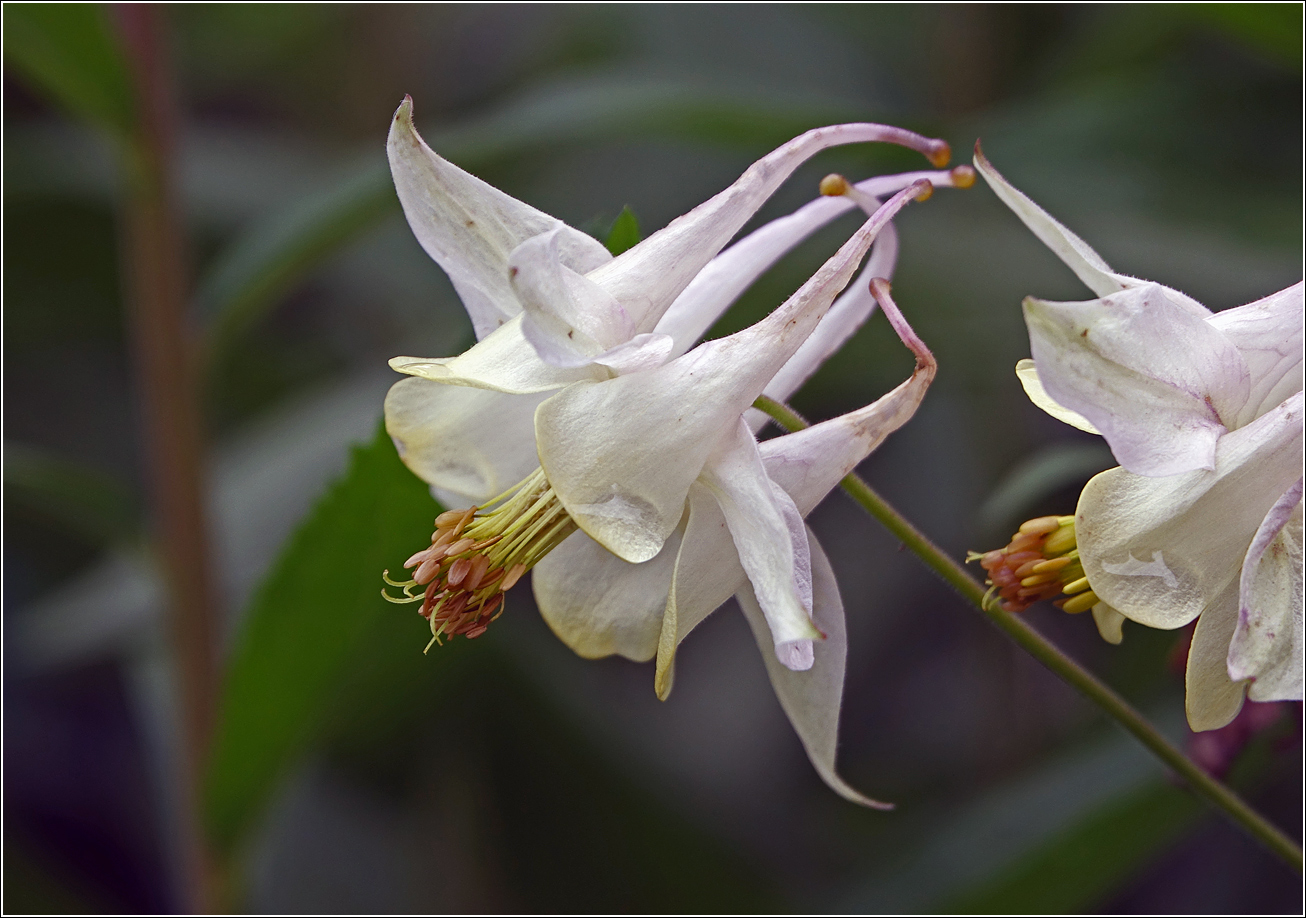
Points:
x=1040 y=562
x=477 y=554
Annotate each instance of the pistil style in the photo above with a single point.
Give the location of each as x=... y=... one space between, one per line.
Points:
x=478 y=554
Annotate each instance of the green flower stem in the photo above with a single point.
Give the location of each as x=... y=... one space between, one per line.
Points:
x=1208 y=788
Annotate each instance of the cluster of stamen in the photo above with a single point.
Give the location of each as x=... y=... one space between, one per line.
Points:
x=478 y=554
x=1041 y=562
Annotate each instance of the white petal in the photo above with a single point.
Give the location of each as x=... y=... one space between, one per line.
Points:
x=1027 y=373
x=1268 y=334
x=647 y=278
x=621 y=454
x=642 y=352
x=853 y=307
x=808 y=464
x=503 y=361
x=568 y=318
x=1075 y=252
x=1110 y=623
x=1157 y=381
x=1212 y=698
x=1267 y=642
x=707 y=573
x=474 y=442
x=733 y=271
x=765 y=537
x=1160 y=549
x=469 y=227
x=811 y=699
x=599 y=605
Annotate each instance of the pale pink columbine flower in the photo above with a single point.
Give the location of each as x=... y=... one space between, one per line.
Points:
x=584 y=389
x=1204 y=413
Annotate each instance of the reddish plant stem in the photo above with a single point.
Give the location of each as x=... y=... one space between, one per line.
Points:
x=153 y=252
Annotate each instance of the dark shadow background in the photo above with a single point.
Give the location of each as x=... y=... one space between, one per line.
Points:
x=523 y=778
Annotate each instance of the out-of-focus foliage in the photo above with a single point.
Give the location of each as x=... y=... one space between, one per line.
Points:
x=69 y=51
x=504 y=774
x=304 y=628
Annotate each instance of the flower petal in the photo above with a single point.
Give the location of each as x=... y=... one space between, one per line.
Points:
x=473 y=442
x=593 y=439
x=1075 y=252
x=1027 y=373
x=1161 y=384
x=732 y=272
x=810 y=463
x=1267 y=642
x=771 y=542
x=503 y=361
x=1268 y=334
x=707 y=572
x=811 y=699
x=1160 y=549
x=1212 y=699
x=599 y=605
x=568 y=318
x=647 y=278
x=1110 y=623
x=849 y=312
x=470 y=228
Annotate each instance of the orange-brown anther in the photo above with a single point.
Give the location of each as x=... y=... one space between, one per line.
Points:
x=1038 y=564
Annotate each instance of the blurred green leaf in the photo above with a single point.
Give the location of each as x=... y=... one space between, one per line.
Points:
x=1273 y=29
x=1075 y=870
x=70 y=53
x=83 y=499
x=624 y=233
x=266 y=262
x=318 y=604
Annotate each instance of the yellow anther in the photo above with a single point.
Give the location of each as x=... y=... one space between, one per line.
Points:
x=833 y=185
x=926 y=192
x=941 y=156
x=1041 y=525
x=1081 y=603
x=1077 y=586
x=1060 y=541
x=1052 y=564
x=1038 y=579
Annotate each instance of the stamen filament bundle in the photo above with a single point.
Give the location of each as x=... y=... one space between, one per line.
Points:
x=478 y=554
x=1041 y=562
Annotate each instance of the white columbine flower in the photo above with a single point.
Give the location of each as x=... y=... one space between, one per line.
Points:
x=1204 y=413
x=583 y=390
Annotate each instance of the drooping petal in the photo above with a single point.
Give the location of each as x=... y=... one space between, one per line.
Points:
x=732 y=272
x=1161 y=384
x=503 y=361
x=1110 y=623
x=568 y=318
x=811 y=699
x=1267 y=642
x=599 y=605
x=470 y=228
x=1161 y=549
x=473 y=442
x=707 y=572
x=1211 y=698
x=1268 y=334
x=765 y=537
x=810 y=463
x=1027 y=373
x=647 y=278
x=594 y=439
